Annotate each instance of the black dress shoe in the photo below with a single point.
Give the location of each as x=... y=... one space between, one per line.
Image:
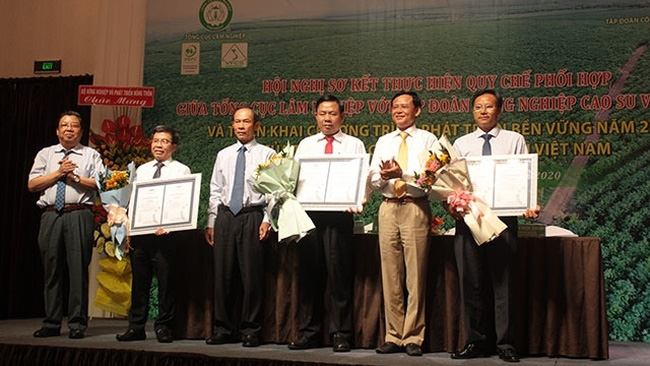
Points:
x=471 y=350
x=164 y=335
x=413 y=349
x=304 y=343
x=220 y=338
x=76 y=334
x=389 y=347
x=47 y=332
x=508 y=354
x=132 y=335
x=250 y=340
x=340 y=343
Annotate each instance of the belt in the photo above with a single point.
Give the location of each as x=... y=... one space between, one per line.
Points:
x=244 y=209
x=405 y=199
x=68 y=208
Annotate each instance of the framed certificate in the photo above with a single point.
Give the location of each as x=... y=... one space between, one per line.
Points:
x=332 y=182
x=507 y=183
x=170 y=203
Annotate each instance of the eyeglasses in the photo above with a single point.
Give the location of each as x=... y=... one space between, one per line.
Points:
x=65 y=125
x=161 y=141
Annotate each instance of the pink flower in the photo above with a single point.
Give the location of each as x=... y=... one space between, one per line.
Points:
x=459 y=201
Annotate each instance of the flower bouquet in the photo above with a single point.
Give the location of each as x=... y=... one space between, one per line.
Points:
x=277 y=179
x=115 y=192
x=445 y=177
x=121 y=142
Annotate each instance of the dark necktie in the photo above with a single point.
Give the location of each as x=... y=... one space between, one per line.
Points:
x=237 y=196
x=487 y=148
x=159 y=166
x=329 y=147
x=59 y=200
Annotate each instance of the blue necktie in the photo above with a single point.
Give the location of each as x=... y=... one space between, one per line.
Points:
x=487 y=149
x=237 y=196
x=59 y=200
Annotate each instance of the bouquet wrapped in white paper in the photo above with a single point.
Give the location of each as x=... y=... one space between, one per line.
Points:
x=445 y=177
x=277 y=179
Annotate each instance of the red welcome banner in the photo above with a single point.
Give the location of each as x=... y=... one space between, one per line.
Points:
x=116 y=96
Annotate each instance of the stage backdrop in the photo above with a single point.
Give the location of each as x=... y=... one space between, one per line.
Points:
x=575 y=76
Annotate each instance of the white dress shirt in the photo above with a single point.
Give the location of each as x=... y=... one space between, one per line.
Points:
x=343 y=144
x=223 y=176
x=171 y=169
x=418 y=141
x=503 y=142
x=88 y=161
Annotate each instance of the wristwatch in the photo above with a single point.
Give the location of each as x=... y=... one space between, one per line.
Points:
x=76 y=178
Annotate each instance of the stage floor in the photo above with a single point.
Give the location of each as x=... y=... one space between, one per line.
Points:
x=101 y=335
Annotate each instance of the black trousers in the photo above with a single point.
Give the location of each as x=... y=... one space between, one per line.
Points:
x=153 y=254
x=238 y=255
x=326 y=256
x=485 y=274
x=65 y=240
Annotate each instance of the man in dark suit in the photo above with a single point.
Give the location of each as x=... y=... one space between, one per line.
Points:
x=237 y=225
x=157 y=251
x=327 y=254
x=487 y=267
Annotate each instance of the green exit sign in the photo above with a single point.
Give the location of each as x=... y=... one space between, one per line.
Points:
x=50 y=66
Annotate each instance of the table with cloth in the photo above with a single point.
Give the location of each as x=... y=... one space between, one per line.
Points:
x=560 y=295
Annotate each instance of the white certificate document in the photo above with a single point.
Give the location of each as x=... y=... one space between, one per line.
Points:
x=506 y=183
x=170 y=203
x=332 y=182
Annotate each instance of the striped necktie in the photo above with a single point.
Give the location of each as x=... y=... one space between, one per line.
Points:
x=59 y=200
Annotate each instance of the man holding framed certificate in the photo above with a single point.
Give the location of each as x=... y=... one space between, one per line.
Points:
x=491 y=262
x=155 y=252
x=326 y=255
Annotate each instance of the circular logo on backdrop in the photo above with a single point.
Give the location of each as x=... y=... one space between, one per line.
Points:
x=215 y=14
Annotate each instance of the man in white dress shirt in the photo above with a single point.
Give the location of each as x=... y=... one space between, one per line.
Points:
x=327 y=254
x=64 y=176
x=155 y=252
x=236 y=226
x=404 y=222
x=485 y=271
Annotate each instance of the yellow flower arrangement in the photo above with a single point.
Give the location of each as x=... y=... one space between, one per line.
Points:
x=114 y=180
